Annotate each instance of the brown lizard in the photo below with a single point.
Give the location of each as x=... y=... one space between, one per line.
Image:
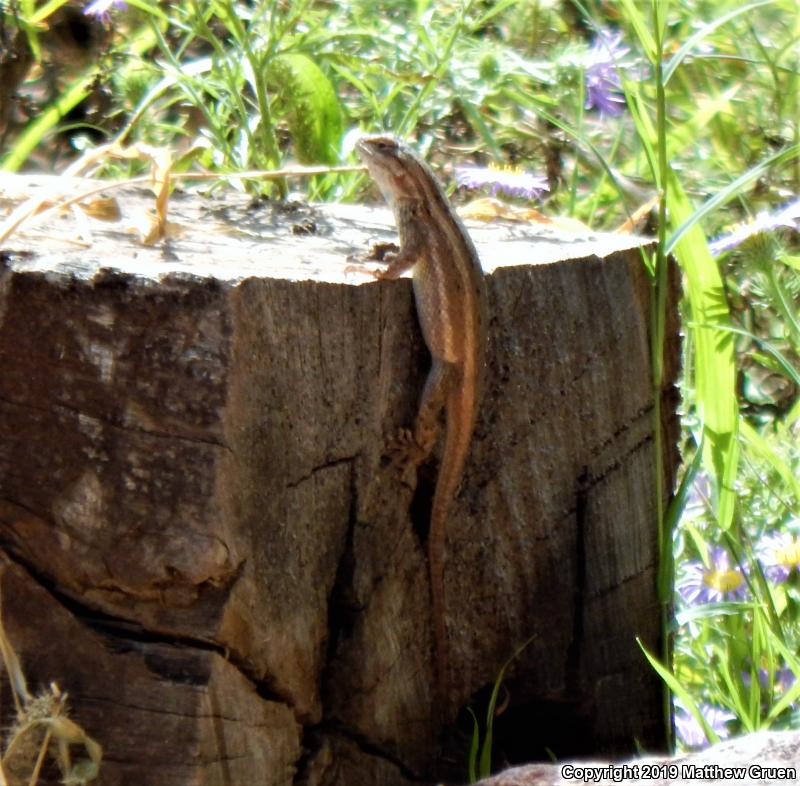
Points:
x=451 y=299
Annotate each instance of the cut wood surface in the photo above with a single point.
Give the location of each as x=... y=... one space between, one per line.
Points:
x=205 y=546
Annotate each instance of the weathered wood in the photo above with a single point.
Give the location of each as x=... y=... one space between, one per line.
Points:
x=193 y=491
x=165 y=711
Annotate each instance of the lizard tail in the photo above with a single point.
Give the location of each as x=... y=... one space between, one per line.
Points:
x=458 y=433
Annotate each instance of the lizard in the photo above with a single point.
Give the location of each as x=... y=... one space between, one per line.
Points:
x=451 y=301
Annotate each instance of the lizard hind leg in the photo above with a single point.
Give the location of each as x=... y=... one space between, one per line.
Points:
x=434 y=397
x=408 y=448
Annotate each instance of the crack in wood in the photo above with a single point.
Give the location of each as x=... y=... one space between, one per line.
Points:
x=120 y=632
x=57 y=408
x=330 y=464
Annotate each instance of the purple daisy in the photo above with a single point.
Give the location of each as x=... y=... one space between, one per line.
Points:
x=787 y=216
x=509 y=181
x=603 y=83
x=700 y=493
x=691 y=733
x=779 y=554
x=101 y=9
x=718 y=581
x=784 y=679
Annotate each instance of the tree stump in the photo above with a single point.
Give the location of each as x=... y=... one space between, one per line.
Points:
x=203 y=542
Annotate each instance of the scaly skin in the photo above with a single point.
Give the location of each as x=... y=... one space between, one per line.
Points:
x=451 y=299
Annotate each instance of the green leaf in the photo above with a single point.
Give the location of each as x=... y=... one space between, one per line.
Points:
x=36 y=130
x=782 y=362
x=695 y=38
x=314 y=114
x=472 y=760
x=485 y=762
x=684 y=136
x=763 y=450
x=714 y=368
x=642 y=29
x=673 y=515
x=730 y=191
x=793 y=694
x=681 y=693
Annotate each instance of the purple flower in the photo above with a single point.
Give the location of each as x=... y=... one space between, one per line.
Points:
x=787 y=216
x=779 y=553
x=510 y=181
x=783 y=678
x=101 y=9
x=719 y=581
x=602 y=77
x=691 y=733
x=697 y=500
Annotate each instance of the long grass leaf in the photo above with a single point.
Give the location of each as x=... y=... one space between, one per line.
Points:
x=762 y=448
x=792 y=695
x=697 y=37
x=673 y=515
x=680 y=692
x=472 y=757
x=730 y=191
x=35 y=131
x=715 y=371
x=641 y=28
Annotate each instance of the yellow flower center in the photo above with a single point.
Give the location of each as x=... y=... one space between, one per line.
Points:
x=790 y=554
x=723 y=580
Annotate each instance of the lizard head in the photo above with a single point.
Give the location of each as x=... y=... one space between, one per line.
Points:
x=392 y=165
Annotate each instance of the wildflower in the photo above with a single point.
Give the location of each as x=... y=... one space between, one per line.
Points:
x=101 y=9
x=697 y=500
x=513 y=182
x=787 y=216
x=784 y=678
x=719 y=581
x=779 y=553
x=603 y=83
x=691 y=733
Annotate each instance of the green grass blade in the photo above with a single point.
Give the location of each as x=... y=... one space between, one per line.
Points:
x=680 y=692
x=761 y=448
x=730 y=191
x=705 y=30
x=715 y=370
x=44 y=11
x=485 y=763
x=673 y=515
x=472 y=760
x=793 y=694
x=782 y=361
x=36 y=130
x=642 y=29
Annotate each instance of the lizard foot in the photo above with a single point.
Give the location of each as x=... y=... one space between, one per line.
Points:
x=404 y=454
x=359 y=267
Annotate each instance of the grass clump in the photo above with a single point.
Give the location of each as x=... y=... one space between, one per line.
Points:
x=42 y=730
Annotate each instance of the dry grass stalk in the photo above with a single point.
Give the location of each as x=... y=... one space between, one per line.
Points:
x=41 y=726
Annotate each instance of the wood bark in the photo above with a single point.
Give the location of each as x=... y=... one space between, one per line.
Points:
x=204 y=544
